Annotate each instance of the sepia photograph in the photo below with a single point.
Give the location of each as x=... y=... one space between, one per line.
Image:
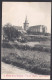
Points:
x=26 y=40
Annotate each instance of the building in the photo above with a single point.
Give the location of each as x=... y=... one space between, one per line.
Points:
x=26 y=24
x=38 y=29
x=34 y=29
x=19 y=28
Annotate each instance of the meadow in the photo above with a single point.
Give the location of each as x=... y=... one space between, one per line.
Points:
x=36 y=61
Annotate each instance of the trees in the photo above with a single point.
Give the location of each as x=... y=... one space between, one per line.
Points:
x=10 y=32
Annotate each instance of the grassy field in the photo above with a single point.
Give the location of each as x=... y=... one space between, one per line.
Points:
x=35 y=61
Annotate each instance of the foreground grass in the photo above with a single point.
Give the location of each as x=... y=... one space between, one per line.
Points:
x=35 y=61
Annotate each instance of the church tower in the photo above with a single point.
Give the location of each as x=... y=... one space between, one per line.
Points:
x=26 y=24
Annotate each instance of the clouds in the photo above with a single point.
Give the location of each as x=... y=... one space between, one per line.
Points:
x=37 y=13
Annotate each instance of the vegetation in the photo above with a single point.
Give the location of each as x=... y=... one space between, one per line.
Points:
x=10 y=32
x=37 y=47
x=35 y=61
x=33 y=58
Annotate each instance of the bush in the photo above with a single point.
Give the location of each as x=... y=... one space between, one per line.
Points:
x=37 y=47
x=6 y=45
x=26 y=47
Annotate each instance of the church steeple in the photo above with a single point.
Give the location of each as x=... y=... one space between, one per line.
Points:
x=26 y=20
x=26 y=24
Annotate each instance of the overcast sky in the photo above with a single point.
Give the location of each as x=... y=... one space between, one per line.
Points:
x=37 y=13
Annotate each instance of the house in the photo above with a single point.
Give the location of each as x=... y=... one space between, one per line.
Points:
x=19 y=28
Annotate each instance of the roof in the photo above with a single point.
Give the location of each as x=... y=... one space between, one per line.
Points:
x=32 y=27
x=35 y=26
x=18 y=27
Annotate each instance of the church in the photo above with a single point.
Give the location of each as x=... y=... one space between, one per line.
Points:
x=36 y=28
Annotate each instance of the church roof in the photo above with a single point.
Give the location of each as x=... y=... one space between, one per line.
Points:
x=36 y=26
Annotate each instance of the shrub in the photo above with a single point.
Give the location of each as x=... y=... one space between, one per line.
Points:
x=6 y=45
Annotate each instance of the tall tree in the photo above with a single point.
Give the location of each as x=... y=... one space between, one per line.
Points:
x=11 y=32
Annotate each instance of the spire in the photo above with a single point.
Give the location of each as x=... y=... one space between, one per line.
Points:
x=26 y=24
x=26 y=20
x=26 y=17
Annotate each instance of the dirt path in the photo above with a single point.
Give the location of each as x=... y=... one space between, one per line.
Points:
x=13 y=72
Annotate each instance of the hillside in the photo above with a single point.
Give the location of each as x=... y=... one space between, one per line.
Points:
x=34 y=61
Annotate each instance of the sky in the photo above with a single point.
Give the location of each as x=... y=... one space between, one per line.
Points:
x=38 y=13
